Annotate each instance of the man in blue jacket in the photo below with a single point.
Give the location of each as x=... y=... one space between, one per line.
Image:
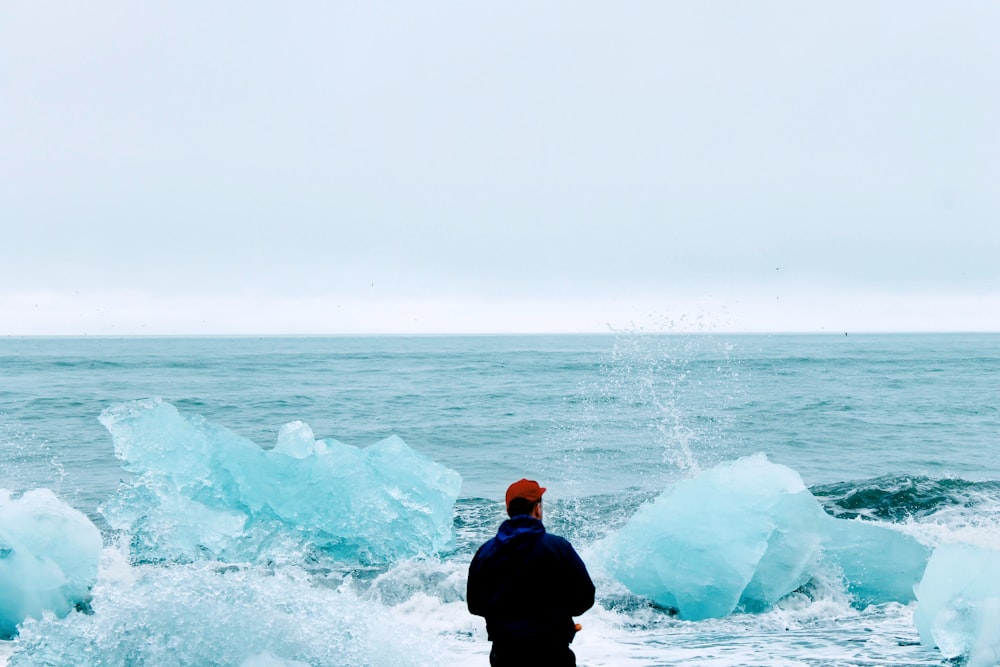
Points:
x=529 y=585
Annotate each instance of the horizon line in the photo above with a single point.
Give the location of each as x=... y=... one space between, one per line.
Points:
x=497 y=334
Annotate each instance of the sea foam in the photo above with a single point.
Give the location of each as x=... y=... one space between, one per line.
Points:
x=215 y=614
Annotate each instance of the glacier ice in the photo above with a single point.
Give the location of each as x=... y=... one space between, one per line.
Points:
x=49 y=555
x=745 y=534
x=201 y=491
x=958 y=604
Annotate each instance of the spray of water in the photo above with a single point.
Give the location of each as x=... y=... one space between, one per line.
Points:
x=26 y=460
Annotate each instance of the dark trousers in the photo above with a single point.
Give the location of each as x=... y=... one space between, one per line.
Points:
x=526 y=654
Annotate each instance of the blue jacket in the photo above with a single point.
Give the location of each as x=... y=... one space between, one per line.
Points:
x=528 y=584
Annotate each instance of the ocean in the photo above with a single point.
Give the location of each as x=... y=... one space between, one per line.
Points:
x=901 y=430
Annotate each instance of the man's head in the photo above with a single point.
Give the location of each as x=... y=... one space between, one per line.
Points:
x=525 y=497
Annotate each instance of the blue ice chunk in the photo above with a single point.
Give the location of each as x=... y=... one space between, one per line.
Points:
x=704 y=542
x=878 y=564
x=203 y=491
x=745 y=534
x=296 y=439
x=958 y=604
x=49 y=554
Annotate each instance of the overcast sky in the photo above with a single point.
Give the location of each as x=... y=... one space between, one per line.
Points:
x=333 y=167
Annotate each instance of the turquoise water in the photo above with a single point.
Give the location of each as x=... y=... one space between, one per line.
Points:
x=901 y=429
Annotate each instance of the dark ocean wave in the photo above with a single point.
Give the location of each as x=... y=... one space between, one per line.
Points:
x=89 y=363
x=892 y=498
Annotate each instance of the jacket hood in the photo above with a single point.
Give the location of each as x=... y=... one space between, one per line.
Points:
x=521 y=526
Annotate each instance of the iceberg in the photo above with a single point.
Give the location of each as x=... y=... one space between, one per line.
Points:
x=201 y=491
x=49 y=554
x=745 y=534
x=958 y=604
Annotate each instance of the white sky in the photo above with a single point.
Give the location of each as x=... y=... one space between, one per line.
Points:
x=331 y=167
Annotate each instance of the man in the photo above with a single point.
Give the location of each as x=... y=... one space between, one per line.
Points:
x=529 y=585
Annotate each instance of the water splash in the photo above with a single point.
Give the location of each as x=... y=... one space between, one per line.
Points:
x=206 y=613
x=671 y=394
x=28 y=461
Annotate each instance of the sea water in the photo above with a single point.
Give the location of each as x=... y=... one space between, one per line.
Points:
x=201 y=461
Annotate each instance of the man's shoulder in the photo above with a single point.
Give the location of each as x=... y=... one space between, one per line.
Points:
x=486 y=547
x=557 y=542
